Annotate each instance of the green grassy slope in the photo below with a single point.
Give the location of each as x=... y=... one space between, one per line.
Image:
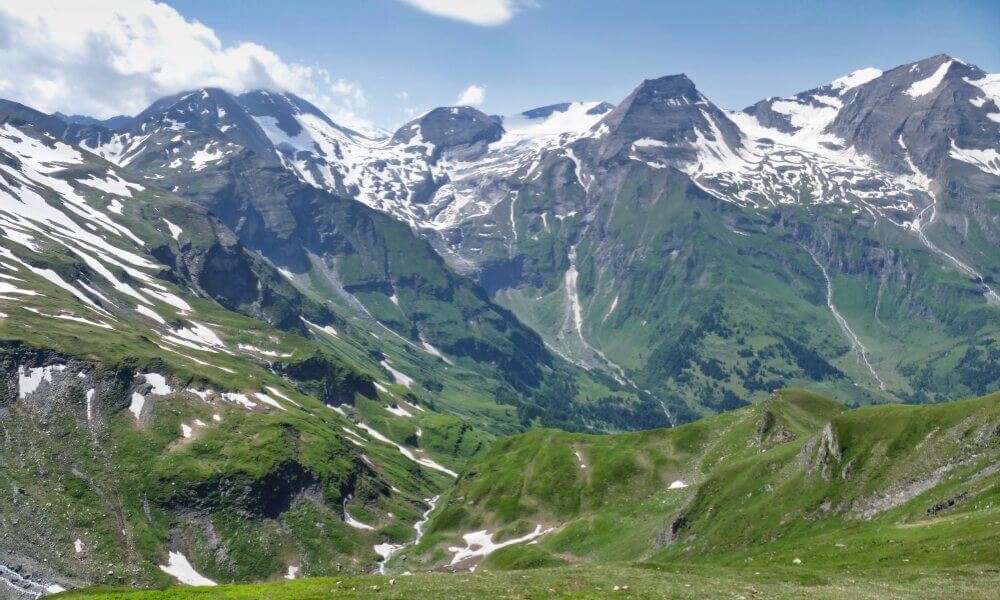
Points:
x=791 y=477
x=106 y=289
x=644 y=581
x=796 y=496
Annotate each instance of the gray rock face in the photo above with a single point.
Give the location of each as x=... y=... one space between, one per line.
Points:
x=922 y=108
x=602 y=108
x=545 y=111
x=451 y=127
x=282 y=108
x=670 y=110
x=116 y=122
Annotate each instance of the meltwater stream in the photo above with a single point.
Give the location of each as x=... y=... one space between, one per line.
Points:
x=387 y=551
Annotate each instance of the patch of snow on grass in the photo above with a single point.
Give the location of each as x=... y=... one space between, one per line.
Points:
x=269 y=401
x=203 y=394
x=238 y=398
x=180 y=569
x=407 y=452
x=434 y=351
x=158 y=383
x=278 y=393
x=167 y=297
x=325 y=328
x=112 y=185
x=354 y=522
x=676 y=485
x=175 y=231
x=480 y=544
x=152 y=314
x=272 y=353
x=199 y=334
x=398 y=411
x=135 y=406
x=400 y=377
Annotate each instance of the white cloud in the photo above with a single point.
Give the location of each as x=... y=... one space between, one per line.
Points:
x=474 y=95
x=486 y=13
x=108 y=57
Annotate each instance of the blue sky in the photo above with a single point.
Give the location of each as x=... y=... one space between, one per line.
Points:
x=558 y=50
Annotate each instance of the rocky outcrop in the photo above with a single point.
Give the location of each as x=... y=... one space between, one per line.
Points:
x=822 y=454
x=771 y=433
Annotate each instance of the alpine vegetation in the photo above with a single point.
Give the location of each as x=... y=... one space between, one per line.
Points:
x=652 y=347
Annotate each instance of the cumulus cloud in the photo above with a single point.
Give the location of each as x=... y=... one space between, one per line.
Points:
x=486 y=13
x=474 y=95
x=109 y=57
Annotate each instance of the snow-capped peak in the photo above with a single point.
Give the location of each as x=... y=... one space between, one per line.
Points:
x=855 y=78
x=554 y=120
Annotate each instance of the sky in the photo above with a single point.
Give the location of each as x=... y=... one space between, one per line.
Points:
x=378 y=63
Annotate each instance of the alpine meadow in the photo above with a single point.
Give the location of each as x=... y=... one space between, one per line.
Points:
x=267 y=333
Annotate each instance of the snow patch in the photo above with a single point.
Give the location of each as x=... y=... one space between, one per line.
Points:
x=400 y=377
x=269 y=401
x=135 y=406
x=238 y=398
x=180 y=569
x=929 y=84
x=987 y=161
x=175 y=231
x=855 y=78
x=479 y=544
x=29 y=380
x=90 y=403
x=398 y=411
x=354 y=522
x=407 y=452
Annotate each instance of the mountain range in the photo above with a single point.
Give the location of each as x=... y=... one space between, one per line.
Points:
x=236 y=333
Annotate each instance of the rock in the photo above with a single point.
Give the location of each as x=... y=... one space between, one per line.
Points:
x=797 y=561
x=947 y=504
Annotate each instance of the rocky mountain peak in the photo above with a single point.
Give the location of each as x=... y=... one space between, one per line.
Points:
x=447 y=127
x=916 y=114
x=670 y=112
x=285 y=109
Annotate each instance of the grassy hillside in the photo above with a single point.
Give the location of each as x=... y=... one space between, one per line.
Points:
x=795 y=476
x=794 y=497
x=164 y=390
x=649 y=580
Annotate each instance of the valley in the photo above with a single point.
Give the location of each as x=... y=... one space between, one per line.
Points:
x=584 y=350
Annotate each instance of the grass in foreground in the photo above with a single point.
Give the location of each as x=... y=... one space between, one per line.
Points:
x=639 y=581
